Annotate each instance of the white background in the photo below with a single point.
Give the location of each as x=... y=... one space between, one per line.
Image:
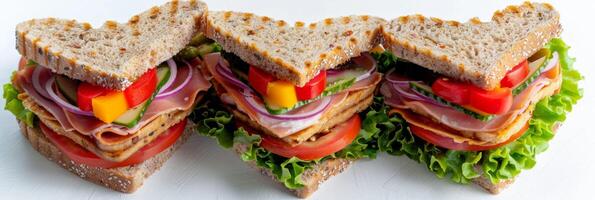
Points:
x=203 y=170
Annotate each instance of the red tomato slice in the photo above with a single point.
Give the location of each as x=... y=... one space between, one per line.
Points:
x=313 y=88
x=259 y=80
x=82 y=156
x=449 y=143
x=452 y=91
x=86 y=92
x=142 y=89
x=338 y=138
x=516 y=75
x=497 y=101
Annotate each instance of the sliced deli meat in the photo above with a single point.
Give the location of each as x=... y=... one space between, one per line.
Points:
x=88 y=125
x=252 y=105
x=398 y=96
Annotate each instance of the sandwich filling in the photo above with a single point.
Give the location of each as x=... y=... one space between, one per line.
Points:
x=468 y=114
x=113 y=125
x=464 y=146
x=327 y=96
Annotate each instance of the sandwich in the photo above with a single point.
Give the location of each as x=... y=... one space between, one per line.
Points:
x=477 y=101
x=110 y=104
x=289 y=96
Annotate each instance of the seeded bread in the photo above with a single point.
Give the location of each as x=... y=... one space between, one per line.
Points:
x=124 y=179
x=114 y=55
x=312 y=178
x=475 y=51
x=294 y=53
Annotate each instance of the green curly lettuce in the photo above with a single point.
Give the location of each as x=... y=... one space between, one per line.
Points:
x=212 y=120
x=15 y=105
x=498 y=164
x=385 y=60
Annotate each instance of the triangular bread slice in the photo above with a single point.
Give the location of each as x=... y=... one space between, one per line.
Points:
x=475 y=51
x=114 y=55
x=293 y=53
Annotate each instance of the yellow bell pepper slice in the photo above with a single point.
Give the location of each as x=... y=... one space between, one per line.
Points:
x=108 y=108
x=281 y=93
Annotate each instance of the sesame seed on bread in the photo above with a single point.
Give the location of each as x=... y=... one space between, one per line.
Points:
x=475 y=51
x=116 y=54
x=293 y=53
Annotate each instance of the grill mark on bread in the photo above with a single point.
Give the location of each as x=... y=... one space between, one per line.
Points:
x=111 y=25
x=154 y=12
x=87 y=26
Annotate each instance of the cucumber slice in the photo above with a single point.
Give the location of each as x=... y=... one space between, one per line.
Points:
x=332 y=88
x=131 y=117
x=540 y=64
x=427 y=91
x=68 y=88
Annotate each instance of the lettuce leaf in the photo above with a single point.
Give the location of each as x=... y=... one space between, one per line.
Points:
x=498 y=164
x=15 y=105
x=214 y=121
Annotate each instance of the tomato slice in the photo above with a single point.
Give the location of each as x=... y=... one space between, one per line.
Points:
x=86 y=92
x=338 y=138
x=497 y=101
x=452 y=91
x=142 y=89
x=259 y=80
x=516 y=75
x=449 y=143
x=313 y=88
x=82 y=156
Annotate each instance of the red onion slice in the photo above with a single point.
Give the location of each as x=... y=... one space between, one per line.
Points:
x=180 y=86
x=551 y=63
x=230 y=77
x=322 y=104
x=37 y=73
x=67 y=106
x=173 y=72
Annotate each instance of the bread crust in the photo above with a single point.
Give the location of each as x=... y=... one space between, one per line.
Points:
x=312 y=178
x=475 y=51
x=123 y=179
x=293 y=53
x=115 y=55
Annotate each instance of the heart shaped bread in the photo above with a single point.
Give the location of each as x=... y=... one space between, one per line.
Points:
x=475 y=51
x=293 y=53
x=116 y=54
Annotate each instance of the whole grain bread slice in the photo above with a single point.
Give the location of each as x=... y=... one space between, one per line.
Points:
x=475 y=51
x=312 y=178
x=294 y=53
x=114 y=55
x=124 y=179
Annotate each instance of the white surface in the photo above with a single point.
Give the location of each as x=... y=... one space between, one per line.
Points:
x=203 y=170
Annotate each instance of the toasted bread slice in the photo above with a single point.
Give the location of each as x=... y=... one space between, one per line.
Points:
x=114 y=55
x=312 y=178
x=475 y=51
x=293 y=53
x=124 y=179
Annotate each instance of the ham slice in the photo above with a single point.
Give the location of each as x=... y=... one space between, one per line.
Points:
x=86 y=125
x=460 y=121
x=24 y=81
x=280 y=128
